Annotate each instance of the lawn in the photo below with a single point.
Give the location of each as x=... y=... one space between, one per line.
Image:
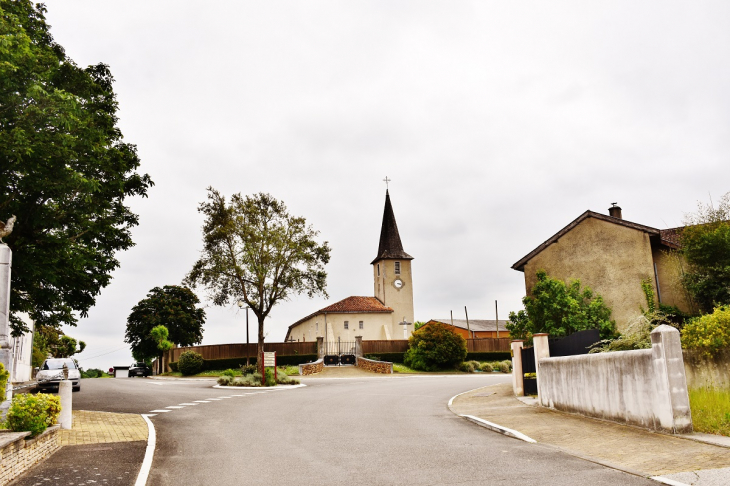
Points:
x=710 y=410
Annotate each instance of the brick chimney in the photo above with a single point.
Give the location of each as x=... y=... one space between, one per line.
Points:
x=614 y=211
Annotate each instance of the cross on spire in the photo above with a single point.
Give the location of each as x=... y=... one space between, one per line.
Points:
x=386 y=180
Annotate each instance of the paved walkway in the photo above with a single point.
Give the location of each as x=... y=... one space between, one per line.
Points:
x=624 y=447
x=104 y=427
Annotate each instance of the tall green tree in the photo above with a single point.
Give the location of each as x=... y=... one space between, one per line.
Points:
x=560 y=309
x=48 y=341
x=254 y=250
x=64 y=169
x=167 y=315
x=705 y=244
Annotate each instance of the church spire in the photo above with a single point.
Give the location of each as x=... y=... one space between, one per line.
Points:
x=390 y=247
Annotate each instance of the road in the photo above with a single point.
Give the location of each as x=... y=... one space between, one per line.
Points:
x=357 y=431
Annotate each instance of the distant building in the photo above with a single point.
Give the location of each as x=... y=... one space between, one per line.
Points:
x=22 y=347
x=612 y=256
x=476 y=328
x=373 y=318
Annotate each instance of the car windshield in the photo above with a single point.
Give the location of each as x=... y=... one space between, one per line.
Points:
x=57 y=364
x=139 y=365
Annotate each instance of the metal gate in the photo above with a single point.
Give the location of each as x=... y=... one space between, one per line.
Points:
x=339 y=353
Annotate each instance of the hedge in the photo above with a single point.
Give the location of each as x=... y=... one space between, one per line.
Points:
x=234 y=363
x=489 y=356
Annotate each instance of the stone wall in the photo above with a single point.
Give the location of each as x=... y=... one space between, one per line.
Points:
x=311 y=368
x=705 y=372
x=17 y=454
x=375 y=366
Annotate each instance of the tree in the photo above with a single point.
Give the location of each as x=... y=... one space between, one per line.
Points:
x=64 y=170
x=254 y=250
x=705 y=244
x=53 y=342
x=172 y=308
x=433 y=347
x=559 y=310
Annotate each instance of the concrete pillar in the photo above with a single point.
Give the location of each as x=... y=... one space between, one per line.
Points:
x=518 y=376
x=65 y=393
x=542 y=350
x=320 y=346
x=670 y=380
x=358 y=346
x=6 y=351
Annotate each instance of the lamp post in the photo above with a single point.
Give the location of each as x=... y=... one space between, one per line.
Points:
x=241 y=305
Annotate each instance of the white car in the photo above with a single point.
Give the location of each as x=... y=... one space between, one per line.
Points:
x=51 y=373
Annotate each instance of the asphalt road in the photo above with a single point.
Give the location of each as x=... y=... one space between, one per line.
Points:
x=358 y=431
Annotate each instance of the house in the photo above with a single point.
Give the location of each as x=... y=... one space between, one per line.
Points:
x=374 y=318
x=476 y=328
x=612 y=256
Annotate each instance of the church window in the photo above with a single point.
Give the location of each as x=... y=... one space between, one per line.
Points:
x=397 y=268
x=347 y=325
x=361 y=325
x=316 y=327
x=378 y=269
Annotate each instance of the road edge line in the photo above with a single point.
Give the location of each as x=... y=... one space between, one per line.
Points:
x=149 y=453
x=667 y=481
x=499 y=429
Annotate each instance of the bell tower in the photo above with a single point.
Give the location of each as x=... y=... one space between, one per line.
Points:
x=393 y=282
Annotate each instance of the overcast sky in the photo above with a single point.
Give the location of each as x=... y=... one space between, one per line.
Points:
x=498 y=123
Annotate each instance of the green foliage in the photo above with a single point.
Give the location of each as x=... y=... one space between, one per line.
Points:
x=33 y=413
x=486 y=367
x=559 y=310
x=489 y=356
x=636 y=336
x=92 y=373
x=65 y=172
x=167 y=316
x=269 y=380
x=372 y=357
x=709 y=333
x=248 y=369
x=505 y=366
x=434 y=346
x=4 y=375
x=710 y=410
x=648 y=289
x=418 y=325
x=222 y=364
x=254 y=250
x=173 y=366
x=48 y=341
x=705 y=244
x=229 y=372
x=466 y=367
x=389 y=357
x=190 y=363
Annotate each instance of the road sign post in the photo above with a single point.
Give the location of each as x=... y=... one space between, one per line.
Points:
x=269 y=359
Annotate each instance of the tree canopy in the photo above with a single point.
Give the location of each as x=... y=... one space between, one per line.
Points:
x=705 y=244
x=433 y=347
x=166 y=314
x=48 y=341
x=254 y=250
x=559 y=310
x=64 y=169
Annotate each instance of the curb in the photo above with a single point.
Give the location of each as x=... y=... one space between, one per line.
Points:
x=149 y=452
x=260 y=388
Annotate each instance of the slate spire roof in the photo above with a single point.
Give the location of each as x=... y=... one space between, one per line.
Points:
x=390 y=247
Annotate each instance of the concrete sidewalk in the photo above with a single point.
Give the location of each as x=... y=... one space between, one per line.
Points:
x=627 y=448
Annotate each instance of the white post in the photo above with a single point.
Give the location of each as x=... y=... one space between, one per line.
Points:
x=6 y=352
x=542 y=350
x=65 y=393
x=518 y=377
x=670 y=380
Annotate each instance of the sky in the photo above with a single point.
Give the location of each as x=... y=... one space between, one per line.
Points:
x=498 y=123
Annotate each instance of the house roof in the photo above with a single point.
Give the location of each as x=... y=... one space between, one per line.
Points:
x=390 y=247
x=349 y=305
x=475 y=324
x=668 y=237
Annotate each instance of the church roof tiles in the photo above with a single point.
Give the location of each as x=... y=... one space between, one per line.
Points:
x=350 y=305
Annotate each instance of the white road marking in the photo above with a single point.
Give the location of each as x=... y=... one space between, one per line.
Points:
x=202 y=401
x=186 y=404
x=149 y=453
x=670 y=482
x=238 y=395
x=160 y=411
x=218 y=399
x=174 y=406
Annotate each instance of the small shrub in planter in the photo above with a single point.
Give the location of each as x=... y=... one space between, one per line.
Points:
x=229 y=372
x=505 y=366
x=225 y=380
x=190 y=363
x=248 y=369
x=486 y=367
x=466 y=367
x=33 y=413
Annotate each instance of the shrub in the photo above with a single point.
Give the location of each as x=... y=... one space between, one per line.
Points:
x=225 y=380
x=4 y=375
x=190 y=363
x=372 y=356
x=33 y=413
x=505 y=366
x=434 y=346
x=489 y=356
x=92 y=373
x=709 y=333
x=229 y=372
x=466 y=367
x=389 y=357
x=173 y=365
x=474 y=363
x=248 y=369
x=269 y=380
x=486 y=367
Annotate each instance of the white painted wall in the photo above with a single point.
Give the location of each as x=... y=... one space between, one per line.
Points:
x=23 y=353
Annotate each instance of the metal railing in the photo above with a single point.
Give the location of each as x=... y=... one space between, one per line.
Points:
x=35 y=383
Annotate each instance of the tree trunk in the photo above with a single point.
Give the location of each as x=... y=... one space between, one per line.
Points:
x=260 y=347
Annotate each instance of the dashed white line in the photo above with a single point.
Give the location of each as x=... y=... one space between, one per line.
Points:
x=202 y=401
x=187 y=404
x=174 y=406
x=160 y=411
x=213 y=399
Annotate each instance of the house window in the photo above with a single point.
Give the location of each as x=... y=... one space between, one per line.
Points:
x=347 y=325
x=361 y=325
x=397 y=268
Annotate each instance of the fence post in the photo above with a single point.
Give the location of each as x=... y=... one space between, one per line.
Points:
x=542 y=350
x=358 y=346
x=670 y=380
x=518 y=384
x=320 y=346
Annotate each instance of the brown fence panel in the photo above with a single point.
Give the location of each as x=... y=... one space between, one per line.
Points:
x=226 y=351
x=488 y=345
x=375 y=347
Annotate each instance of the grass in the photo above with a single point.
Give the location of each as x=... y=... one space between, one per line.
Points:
x=710 y=410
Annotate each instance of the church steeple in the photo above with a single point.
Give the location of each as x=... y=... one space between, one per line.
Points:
x=390 y=247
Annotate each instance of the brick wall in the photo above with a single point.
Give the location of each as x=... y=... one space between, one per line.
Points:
x=375 y=366
x=17 y=454
x=311 y=368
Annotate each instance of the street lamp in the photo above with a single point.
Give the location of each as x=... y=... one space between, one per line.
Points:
x=241 y=305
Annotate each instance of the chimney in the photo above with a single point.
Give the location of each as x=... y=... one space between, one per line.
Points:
x=614 y=211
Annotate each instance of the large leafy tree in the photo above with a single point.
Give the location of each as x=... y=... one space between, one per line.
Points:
x=705 y=244
x=254 y=250
x=434 y=346
x=560 y=309
x=48 y=341
x=167 y=315
x=64 y=171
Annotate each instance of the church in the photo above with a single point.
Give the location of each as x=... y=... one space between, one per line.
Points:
x=381 y=317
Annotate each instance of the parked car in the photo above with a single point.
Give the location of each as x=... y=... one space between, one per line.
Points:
x=51 y=373
x=139 y=368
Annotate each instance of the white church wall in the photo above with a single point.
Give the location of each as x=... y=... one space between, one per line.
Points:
x=372 y=328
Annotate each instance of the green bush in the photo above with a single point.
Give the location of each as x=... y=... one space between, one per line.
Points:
x=190 y=363
x=229 y=372
x=434 y=346
x=373 y=357
x=466 y=367
x=489 y=356
x=33 y=413
x=4 y=375
x=248 y=369
x=486 y=367
x=505 y=366
x=225 y=380
x=389 y=357
x=269 y=380
x=709 y=333
x=173 y=365
x=92 y=373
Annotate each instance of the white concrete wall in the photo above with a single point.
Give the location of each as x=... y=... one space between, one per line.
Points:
x=644 y=387
x=23 y=353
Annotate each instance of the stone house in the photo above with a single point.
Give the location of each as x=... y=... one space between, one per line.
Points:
x=612 y=256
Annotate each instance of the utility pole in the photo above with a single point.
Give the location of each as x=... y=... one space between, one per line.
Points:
x=468 y=329
x=496 y=317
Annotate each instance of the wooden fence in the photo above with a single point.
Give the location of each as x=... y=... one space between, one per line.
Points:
x=488 y=345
